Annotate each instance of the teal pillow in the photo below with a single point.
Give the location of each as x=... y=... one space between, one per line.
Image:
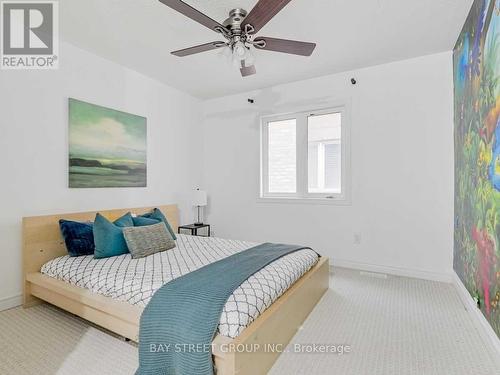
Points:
x=108 y=236
x=140 y=221
x=158 y=215
x=125 y=221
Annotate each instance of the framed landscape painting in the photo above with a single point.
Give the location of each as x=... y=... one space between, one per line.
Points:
x=107 y=148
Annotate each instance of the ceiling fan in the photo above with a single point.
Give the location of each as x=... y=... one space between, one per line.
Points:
x=239 y=31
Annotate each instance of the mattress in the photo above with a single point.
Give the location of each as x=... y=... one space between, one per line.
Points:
x=136 y=280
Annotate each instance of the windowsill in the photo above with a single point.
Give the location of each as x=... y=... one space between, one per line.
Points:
x=313 y=201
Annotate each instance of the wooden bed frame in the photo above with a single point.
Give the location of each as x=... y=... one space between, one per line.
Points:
x=266 y=336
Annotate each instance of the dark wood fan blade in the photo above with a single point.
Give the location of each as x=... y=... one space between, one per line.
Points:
x=293 y=47
x=263 y=12
x=192 y=13
x=198 y=49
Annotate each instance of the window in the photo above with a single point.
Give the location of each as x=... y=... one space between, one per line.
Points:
x=282 y=156
x=324 y=142
x=305 y=155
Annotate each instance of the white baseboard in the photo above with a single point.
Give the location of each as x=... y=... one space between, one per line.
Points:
x=10 y=302
x=406 y=272
x=479 y=319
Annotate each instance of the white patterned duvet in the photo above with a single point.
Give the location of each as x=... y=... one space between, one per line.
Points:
x=136 y=280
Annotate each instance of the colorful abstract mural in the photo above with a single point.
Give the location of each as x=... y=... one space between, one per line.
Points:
x=477 y=157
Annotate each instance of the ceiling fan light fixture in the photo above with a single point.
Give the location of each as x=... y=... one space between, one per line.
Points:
x=226 y=54
x=239 y=31
x=236 y=61
x=240 y=51
x=250 y=59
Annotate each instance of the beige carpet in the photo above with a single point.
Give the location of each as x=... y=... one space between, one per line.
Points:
x=393 y=326
x=43 y=340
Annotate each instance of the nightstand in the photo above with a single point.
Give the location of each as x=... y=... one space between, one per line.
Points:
x=194 y=230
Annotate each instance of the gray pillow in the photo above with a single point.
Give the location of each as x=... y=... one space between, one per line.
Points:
x=144 y=241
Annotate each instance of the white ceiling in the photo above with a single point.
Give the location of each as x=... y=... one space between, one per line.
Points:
x=350 y=34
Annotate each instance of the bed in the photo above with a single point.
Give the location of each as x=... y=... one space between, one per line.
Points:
x=267 y=309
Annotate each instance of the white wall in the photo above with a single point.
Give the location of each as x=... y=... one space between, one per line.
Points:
x=34 y=146
x=402 y=168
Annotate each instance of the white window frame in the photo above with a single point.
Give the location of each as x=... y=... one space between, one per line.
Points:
x=302 y=195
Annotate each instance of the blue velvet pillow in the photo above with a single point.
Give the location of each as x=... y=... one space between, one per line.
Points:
x=158 y=215
x=78 y=237
x=140 y=221
x=108 y=236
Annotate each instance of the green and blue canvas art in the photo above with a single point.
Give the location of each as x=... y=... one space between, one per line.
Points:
x=477 y=157
x=107 y=148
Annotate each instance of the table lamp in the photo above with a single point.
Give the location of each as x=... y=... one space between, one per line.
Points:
x=199 y=200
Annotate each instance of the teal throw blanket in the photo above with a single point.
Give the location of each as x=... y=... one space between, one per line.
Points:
x=179 y=323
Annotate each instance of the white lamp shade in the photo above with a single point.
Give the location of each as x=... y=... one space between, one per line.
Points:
x=200 y=198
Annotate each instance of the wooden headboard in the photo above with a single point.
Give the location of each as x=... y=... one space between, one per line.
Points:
x=42 y=239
